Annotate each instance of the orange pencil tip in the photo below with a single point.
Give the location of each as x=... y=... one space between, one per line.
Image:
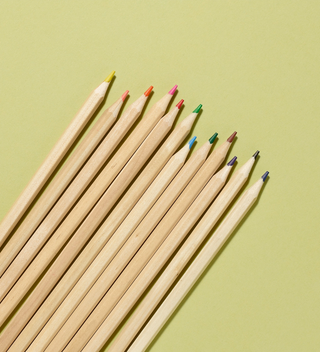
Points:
x=148 y=91
x=124 y=95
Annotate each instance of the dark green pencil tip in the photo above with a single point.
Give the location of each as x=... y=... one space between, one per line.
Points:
x=211 y=140
x=197 y=109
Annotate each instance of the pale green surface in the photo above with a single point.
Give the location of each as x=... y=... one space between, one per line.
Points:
x=254 y=65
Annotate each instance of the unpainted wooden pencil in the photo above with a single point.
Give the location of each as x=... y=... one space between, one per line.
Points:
x=61 y=181
x=83 y=234
x=160 y=258
x=53 y=159
x=101 y=237
x=197 y=267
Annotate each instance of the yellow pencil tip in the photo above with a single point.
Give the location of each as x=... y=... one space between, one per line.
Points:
x=109 y=78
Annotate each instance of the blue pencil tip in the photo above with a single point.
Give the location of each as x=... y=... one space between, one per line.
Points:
x=232 y=161
x=265 y=175
x=192 y=141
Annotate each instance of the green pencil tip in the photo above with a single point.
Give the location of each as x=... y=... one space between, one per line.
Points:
x=211 y=140
x=197 y=109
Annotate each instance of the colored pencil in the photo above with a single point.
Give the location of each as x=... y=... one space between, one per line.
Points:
x=151 y=244
x=120 y=260
x=198 y=266
x=61 y=181
x=93 y=220
x=53 y=159
x=160 y=258
x=100 y=239
x=76 y=189
x=78 y=213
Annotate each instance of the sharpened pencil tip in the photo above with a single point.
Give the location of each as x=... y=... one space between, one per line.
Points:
x=232 y=161
x=256 y=154
x=180 y=104
x=124 y=95
x=196 y=110
x=265 y=175
x=231 y=138
x=211 y=139
x=148 y=91
x=192 y=141
x=109 y=78
x=173 y=89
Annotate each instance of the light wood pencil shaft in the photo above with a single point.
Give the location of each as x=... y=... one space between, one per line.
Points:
x=196 y=268
x=174 y=268
x=52 y=161
x=79 y=212
x=128 y=250
x=98 y=241
x=72 y=194
x=152 y=243
x=59 y=184
x=84 y=284
x=93 y=220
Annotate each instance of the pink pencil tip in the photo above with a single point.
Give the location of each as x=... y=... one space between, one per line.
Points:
x=172 y=90
x=180 y=103
x=124 y=95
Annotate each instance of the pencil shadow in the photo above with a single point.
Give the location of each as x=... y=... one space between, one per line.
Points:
x=207 y=269
x=71 y=150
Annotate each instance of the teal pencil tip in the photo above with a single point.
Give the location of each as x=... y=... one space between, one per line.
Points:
x=211 y=140
x=196 y=110
x=192 y=141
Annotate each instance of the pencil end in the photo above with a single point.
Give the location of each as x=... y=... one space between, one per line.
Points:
x=264 y=176
x=124 y=95
x=192 y=141
x=148 y=91
x=256 y=154
x=180 y=104
x=231 y=138
x=109 y=78
x=173 y=89
x=197 y=109
x=232 y=161
x=212 y=139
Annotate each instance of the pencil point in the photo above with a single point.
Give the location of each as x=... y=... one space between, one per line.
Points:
x=197 y=109
x=148 y=91
x=232 y=161
x=109 y=78
x=124 y=95
x=264 y=176
x=256 y=154
x=211 y=140
x=231 y=138
x=192 y=141
x=172 y=90
x=180 y=104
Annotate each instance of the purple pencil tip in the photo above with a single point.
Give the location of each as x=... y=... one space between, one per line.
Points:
x=265 y=175
x=232 y=161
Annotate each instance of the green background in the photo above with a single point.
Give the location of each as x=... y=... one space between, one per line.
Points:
x=254 y=65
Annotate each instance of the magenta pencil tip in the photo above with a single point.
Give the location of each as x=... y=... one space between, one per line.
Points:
x=173 y=89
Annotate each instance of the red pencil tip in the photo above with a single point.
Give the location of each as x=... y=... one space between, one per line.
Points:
x=180 y=103
x=173 y=89
x=124 y=95
x=148 y=91
x=231 y=138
